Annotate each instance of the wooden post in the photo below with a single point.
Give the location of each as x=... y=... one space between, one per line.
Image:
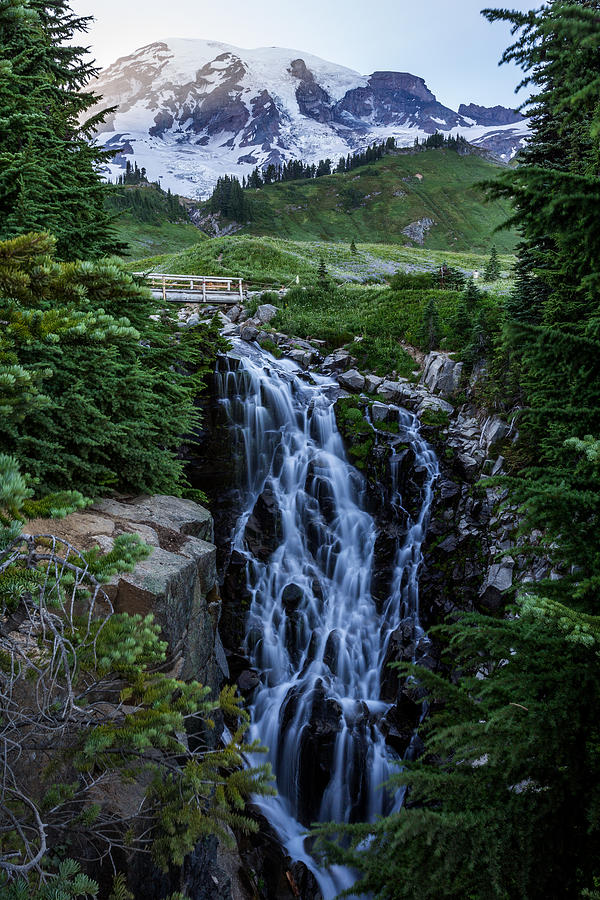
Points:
x=164 y=285
x=204 y=290
x=241 y=291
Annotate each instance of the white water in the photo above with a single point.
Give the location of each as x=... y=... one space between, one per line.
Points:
x=328 y=651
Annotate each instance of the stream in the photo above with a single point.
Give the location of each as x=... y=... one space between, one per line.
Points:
x=315 y=632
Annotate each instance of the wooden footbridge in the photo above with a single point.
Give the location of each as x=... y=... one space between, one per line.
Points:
x=210 y=289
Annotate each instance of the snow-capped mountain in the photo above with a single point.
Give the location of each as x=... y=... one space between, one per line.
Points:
x=191 y=110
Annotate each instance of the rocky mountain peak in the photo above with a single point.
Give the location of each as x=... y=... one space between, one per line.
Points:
x=192 y=110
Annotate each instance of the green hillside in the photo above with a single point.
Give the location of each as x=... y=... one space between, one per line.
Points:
x=376 y=202
x=150 y=221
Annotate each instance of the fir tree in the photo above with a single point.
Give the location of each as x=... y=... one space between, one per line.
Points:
x=49 y=169
x=428 y=335
x=322 y=273
x=492 y=269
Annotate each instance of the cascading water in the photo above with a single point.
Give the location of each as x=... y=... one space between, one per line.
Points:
x=315 y=633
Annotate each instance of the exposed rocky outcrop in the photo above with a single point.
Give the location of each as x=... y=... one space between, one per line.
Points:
x=177 y=583
x=417 y=231
x=489 y=115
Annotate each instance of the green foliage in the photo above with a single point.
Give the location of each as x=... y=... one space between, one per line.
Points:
x=84 y=655
x=49 y=168
x=412 y=281
x=429 y=334
x=382 y=355
x=229 y=200
x=355 y=430
x=492 y=268
x=115 y=389
x=145 y=203
x=67 y=884
x=268 y=261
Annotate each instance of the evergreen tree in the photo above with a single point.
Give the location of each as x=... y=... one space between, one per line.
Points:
x=49 y=169
x=322 y=273
x=472 y=297
x=353 y=249
x=492 y=269
x=429 y=336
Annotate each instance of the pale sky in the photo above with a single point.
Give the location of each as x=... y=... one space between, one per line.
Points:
x=446 y=42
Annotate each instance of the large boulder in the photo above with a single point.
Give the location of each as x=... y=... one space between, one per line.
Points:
x=266 y=313
x=393 y=391
x=498 y=581
x=338 y=361
x=352 y=380
x=249 y=332
x=441 y=374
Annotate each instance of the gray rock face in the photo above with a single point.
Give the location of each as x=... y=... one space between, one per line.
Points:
x=234 y=313
x=416 y=231
x=441 y=374
x=372 y=382
x=379 y=412
x=352 y=380
x=176 y=583
x=493 y=433
x=435 y=404
x=266 y=313
x=302 y=357
x=393 y=391
x=248 y=332
x=489 y=115
x=498 y=581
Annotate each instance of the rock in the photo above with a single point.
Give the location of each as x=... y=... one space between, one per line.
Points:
x=263 y=530
x=248 y=332
x=352 y=380
x=379 y=412
x=234 y=313
x=266 y=313
x=338 y=361
x=393 y=391
x=231 y=330
x=493 y=433
x=468 y=466
x=416 y=231
x=372 y=382
x=498 y=580
x=448 y=490
x=302 y=357
x=435 y=404
x=317 y=748
x=193 y=320
x=248 y=680
x=441 y=374
x=291 y=597
x=498 y=466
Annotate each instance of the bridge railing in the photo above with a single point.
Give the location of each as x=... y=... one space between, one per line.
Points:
x=196 y=284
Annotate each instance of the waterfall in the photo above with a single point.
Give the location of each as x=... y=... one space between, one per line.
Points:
x=315 y=633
